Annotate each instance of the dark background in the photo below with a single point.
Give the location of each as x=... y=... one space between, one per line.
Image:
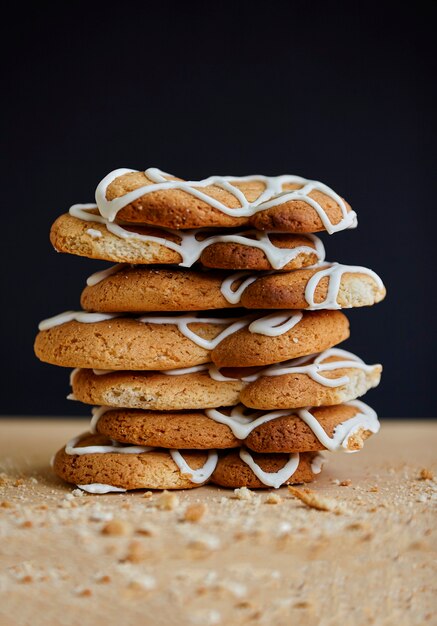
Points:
x=340 y=92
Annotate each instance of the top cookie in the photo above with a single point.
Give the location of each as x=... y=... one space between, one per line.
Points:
x=283 y=203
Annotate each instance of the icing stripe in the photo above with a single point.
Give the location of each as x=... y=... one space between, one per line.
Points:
x=243 y=421
x=271 y=479
x=272 y=196
x=190 y=248
x=199 y=475
x=100 y=488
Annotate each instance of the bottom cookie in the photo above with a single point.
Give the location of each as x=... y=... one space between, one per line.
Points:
x=100 y=465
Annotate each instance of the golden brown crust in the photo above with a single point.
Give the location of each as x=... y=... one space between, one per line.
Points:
x=176 y=209
x=137 y=289
x=316 y=331
x=292 y=391
x=236 y=256
x=232 y=472
x=166 y=429
x=150 y=470
x=287 y=290
x=291 y=434
x=154 y=390
x=298 y=216
x=70 y=235
x=123 y=344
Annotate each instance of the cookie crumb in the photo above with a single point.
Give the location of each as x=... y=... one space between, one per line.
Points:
x=84 y=592
x=136 y=552
x=374 y=489
x=145 y=583
x=78 y=493
x=316 y=501
x=116 y=527
x=147 y=494
x=27 y=524
x=195 y=512
x=147 y=530
x=6 y=504
x=426 y=474
x=168 y=501
x=345 y=483
x=243 y=493
x=273 y=498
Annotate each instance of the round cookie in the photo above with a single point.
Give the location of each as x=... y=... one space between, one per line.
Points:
x=315 y=332
x=190 y=205
x=93 y=240
x=148 y=470
x=154 y=390
x=237 y=256
x=290 y=433
x=187 y=430
x=233 y=472
x=330 y=286
x=296 y=389
x=137 y=289
x=123 y=344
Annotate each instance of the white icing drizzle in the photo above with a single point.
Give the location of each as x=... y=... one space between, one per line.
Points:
x=199 y=475
x=97 y=277
x=103 y=372
x=317 y=463
x=196 y=476
x=273 y=194
x=73 y=374
x=315 y=369
x=100 y=488
x=71 y=448
x=243 y=421
x=93 y=233
x=334 y=273
x=276 y=324
x=186 y=370
x=71 y=396
x=97 y=412
x=190 y=247
x=234 y=296
x=182 y=322
x=271 y=479
x=271 y=325
x=77 y=316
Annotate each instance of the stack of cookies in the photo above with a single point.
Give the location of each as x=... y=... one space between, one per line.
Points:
x=209 y=349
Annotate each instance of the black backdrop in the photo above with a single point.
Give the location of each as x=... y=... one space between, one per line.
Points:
x=340 y=92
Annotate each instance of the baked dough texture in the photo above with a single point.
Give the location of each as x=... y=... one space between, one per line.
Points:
x=317 y=331
x=292 y=391
x=154 y=390
x=177 y=209
x=148 y=470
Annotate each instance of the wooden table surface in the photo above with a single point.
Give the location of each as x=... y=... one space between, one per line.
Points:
x=71 y=558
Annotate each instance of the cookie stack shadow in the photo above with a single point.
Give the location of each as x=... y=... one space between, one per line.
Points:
x=209 y=350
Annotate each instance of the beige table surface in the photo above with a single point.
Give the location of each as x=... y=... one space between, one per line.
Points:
x=244 y=562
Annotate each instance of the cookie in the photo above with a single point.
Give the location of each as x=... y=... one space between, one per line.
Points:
x=93 y=240
x=312 y=332
x=281 y=251
x=187 y=430
x=138 y=289
x=288 y=203
x=108 y=467
x=123 y=344
x=344 y=426
x=156 y=342
x=155 y=390
x=332 y=377
x=331 y=286
x=260 y=471
x=80 y=233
